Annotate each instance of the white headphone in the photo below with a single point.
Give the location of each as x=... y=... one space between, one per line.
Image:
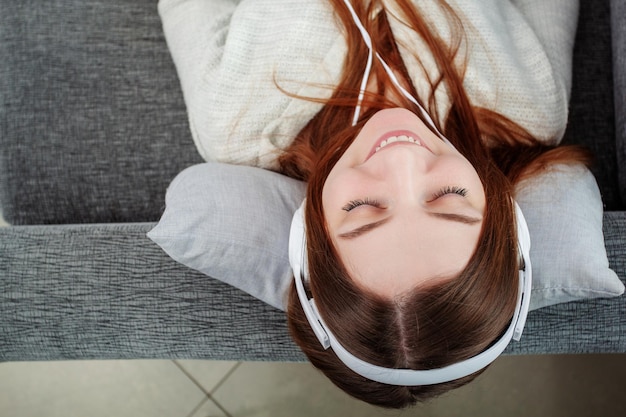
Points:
x=409 y=377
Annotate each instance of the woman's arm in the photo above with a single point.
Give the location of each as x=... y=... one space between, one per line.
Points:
x=230 y=56
x=196 y=32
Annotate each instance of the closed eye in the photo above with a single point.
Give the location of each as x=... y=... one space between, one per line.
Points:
x=361 y=202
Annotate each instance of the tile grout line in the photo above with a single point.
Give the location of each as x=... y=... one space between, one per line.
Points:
x=228 y=374
x=207 y=393
x=219 y=384
x=197 y=407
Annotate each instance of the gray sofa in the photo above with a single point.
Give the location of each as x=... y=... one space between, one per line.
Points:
x=92 y=130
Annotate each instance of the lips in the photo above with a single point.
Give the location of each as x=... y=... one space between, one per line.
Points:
x=397 y=137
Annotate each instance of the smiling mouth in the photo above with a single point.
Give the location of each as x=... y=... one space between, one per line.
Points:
x=397 y=138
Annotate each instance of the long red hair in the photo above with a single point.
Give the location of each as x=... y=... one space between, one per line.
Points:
x=437 y=325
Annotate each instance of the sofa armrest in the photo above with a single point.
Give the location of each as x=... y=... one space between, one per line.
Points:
x=108 y=292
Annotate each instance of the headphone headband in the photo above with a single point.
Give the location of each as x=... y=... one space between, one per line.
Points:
x=409 y=377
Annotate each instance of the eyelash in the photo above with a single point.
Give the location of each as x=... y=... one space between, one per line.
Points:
x=450 y=190
x=375 y=203
x=361 y=202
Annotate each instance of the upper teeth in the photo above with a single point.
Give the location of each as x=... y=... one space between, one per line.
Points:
x=396 y=139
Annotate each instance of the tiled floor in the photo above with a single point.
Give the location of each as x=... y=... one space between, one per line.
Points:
x=591 y=385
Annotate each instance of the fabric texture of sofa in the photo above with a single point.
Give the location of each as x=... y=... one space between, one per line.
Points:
x=93 y=128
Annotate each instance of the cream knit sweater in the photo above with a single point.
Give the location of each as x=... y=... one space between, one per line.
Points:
x=231 y=54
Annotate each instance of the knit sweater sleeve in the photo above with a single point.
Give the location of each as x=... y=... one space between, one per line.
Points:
x=517 y=59
x=196 y=32
x=554 y=23
x=232 y=57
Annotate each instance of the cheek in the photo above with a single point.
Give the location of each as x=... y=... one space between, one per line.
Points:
x=331 y=195
x=334 y=189
x=478 y=190
x=342 y=186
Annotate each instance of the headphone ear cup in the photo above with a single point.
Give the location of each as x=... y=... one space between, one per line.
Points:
x=526 y=270
x=299 y=265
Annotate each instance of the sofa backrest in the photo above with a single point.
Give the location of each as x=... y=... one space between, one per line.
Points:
x=618 y=29
x=592 y=116
x=93 y=125
x=92 y=122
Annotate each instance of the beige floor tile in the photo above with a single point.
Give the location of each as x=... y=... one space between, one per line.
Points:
x=573 y=386
x=96 y=388
x=263 y=389
x=207 y=373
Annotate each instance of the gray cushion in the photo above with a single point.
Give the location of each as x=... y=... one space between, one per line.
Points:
x=563 y=210
x=92 y=122
x=232 y=223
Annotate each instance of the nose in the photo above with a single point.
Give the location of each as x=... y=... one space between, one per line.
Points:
x=403 y=169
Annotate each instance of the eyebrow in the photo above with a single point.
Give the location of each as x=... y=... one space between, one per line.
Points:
x=353 y=234
x=459 y=218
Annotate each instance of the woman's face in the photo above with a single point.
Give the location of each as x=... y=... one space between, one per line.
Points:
x=402 y=213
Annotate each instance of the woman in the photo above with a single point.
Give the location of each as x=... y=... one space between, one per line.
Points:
x=412 y=122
